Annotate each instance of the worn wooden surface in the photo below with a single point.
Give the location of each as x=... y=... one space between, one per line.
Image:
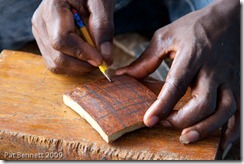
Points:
x=36 y=124
x=112 y=108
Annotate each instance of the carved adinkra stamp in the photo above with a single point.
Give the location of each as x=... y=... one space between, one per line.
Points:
x=112 y=109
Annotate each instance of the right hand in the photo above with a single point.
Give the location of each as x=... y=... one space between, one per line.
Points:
x=63 y=50
x=206 y=57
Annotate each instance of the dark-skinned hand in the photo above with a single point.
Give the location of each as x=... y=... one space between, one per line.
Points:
x=62 y=48
x=205 y=48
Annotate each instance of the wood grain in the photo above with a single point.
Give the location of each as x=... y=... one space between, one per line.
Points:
x=34 y=119
x=113 y=109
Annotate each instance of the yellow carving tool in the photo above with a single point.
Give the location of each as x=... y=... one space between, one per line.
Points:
x=103 y=67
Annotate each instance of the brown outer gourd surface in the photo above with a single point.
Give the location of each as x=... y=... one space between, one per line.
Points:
x=116 y=107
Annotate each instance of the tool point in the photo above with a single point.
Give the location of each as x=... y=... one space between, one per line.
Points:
x=107 y=76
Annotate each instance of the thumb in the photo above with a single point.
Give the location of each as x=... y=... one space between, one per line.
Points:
x=149 y=61
x=101 y=26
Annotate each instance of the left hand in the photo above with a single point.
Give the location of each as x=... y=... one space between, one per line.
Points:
x=63 y=50
x=204 y=61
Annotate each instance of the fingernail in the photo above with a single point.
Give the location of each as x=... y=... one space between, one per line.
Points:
x=189 y=137
x=92 y=62
x=227 y=149
x=166 y=123
x=106 y=49
x=106 y=52
x=152 y=121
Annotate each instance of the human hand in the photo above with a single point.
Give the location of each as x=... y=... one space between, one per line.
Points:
x=207 y=60
x=63 y=50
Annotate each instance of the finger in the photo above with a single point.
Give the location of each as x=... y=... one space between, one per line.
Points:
x=178 y=79
x=101 y=26
x=173 y=89
x=58 y=62
x=81 y=7
x=230 y=135
x=153 y=84
x=61 y=30
x=232 y=132
x=201 y=105
x=150 y=59
x=225 y=109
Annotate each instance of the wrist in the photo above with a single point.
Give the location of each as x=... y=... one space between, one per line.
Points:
x=219 y=16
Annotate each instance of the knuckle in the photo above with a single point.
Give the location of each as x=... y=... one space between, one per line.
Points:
x=176 y=86
x=204 y=129
x=182 y=120
x=228 y=102
x=163 y=40
x=158 y=35
x=231 y=108
x=58 y=43
x=104 y=29
x=59 y=61
x=33 y=19
x=207 y=107
x=105 y=25
x=57 y=64
x=79 y=52
x=179 y=124
x=76 y=52
x=162 y=34
x=54 y=67
x=80 y=55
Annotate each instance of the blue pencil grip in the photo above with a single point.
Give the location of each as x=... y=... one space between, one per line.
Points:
x=78 y=21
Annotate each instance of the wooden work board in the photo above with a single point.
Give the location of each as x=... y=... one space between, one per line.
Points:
x=35 y=124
